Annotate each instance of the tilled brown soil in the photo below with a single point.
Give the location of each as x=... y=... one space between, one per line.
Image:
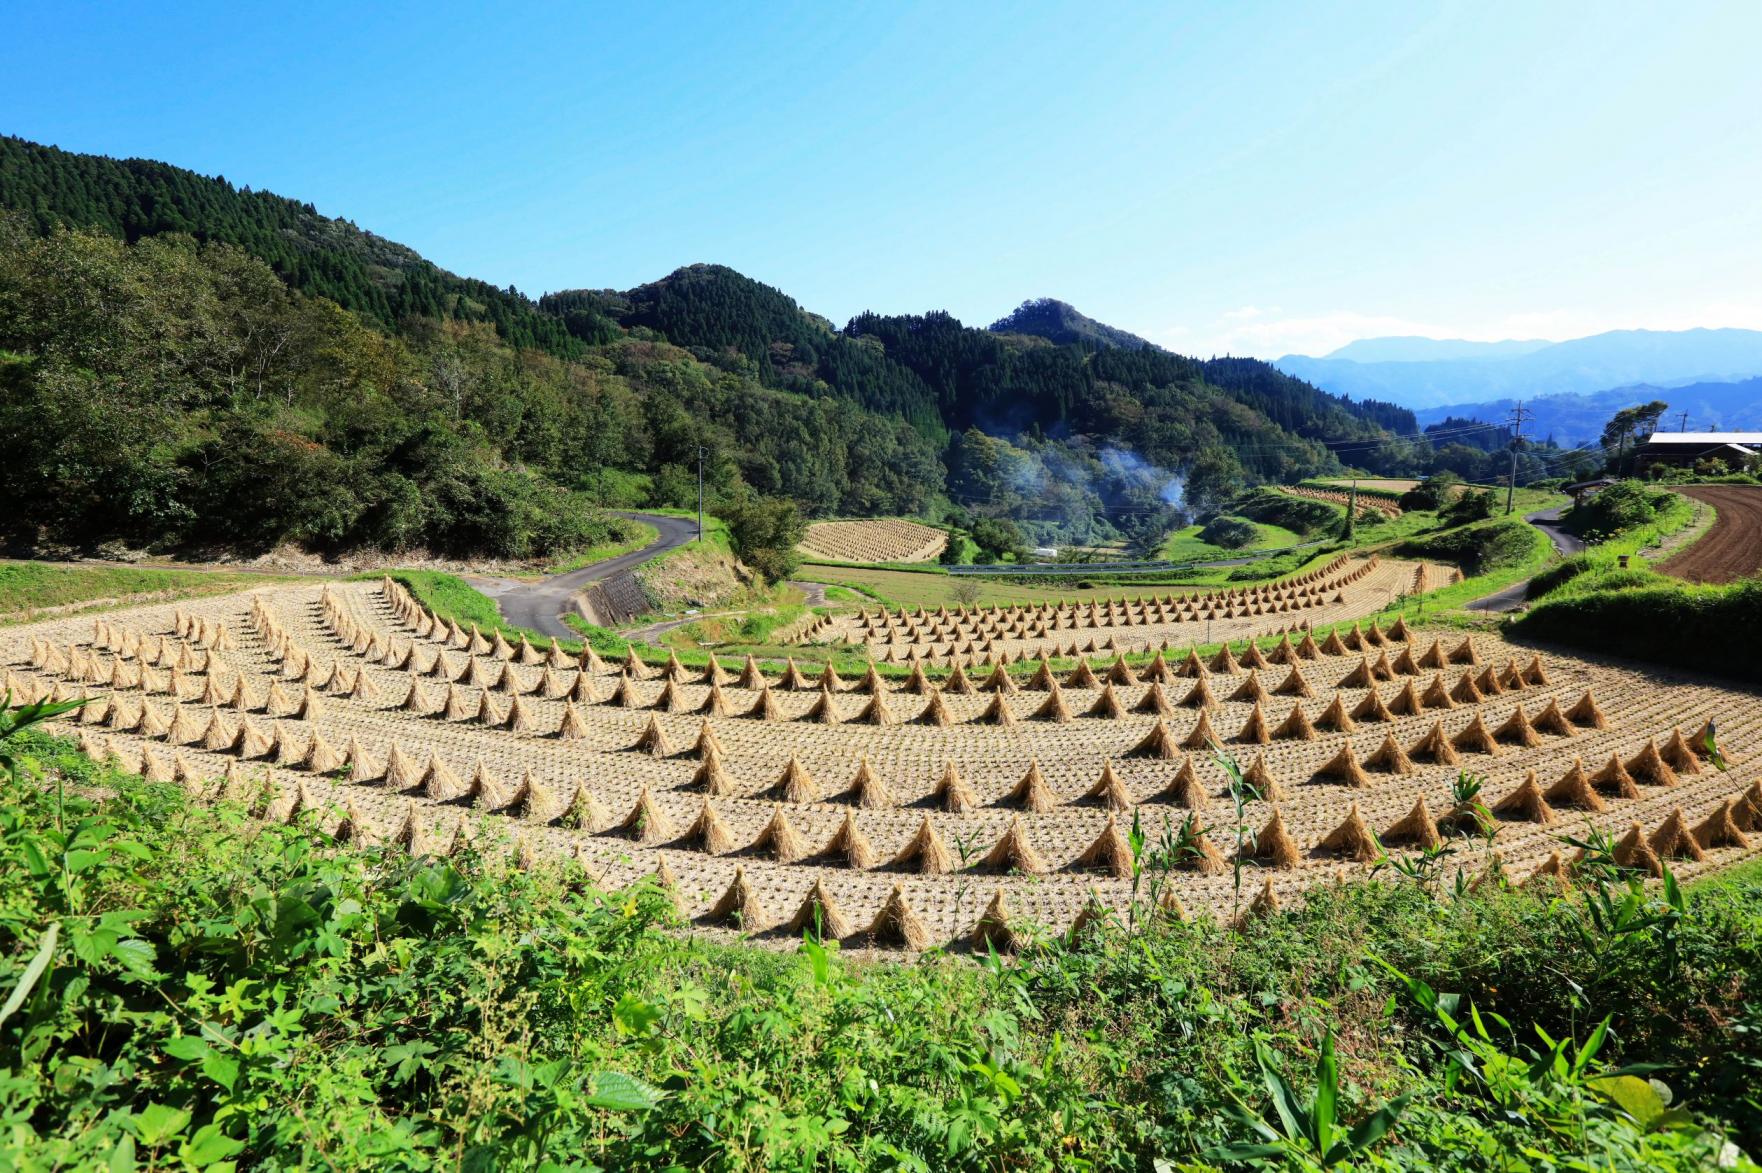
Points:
x=1732 y=549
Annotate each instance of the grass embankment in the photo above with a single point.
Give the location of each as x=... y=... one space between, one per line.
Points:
x=27 y=589
x=643 y=534
x=1185 y=545
x=1592 y=602
x=1599 y=566
x=1639 y=614
x=179 y=972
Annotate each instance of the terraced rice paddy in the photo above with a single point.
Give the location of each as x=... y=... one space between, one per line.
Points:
x=1366 y=502
x=1347 y=588
x=942 y=808
x=877 y=540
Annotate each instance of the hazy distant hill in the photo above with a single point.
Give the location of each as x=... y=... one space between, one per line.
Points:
x=1579 y=419
x=1060 y=322
x=1408 y=348
x=1619 y=358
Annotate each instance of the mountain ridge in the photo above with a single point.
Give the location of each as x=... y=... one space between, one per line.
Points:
x=1061 y=322
x=1585 y=365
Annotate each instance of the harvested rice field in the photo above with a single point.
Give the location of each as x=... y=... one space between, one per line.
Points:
x=878 y=540
x=1346 y=588
x=1341 y=497
x=955 y=806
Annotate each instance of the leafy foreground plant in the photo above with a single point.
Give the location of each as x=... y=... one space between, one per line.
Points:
x=184 y=987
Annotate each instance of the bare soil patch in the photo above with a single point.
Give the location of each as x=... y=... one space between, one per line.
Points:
x=1732 y=549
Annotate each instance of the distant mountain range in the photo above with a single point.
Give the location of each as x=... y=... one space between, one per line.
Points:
x=1578 y=419
x=1407 y=348
x=1423 y=373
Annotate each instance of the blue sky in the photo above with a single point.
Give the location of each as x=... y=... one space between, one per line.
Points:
x=1251 y=178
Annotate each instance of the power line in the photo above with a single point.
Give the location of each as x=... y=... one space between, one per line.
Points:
x=1518 y=415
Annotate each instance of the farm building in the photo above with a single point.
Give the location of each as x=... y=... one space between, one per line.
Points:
x=1689 y=448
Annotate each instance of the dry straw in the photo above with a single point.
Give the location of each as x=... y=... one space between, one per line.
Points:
x=925 y=852
x=1614 y=779
x=1674 y=840
x=1635 y=851
x=820 y=916
x=1475 y=737
x=1203 y=736
x=1344 y=768
x=867 y=791
x=897 y=924
x=1200 y=696
x=1526 y=803
x=1416 y=828
x=1720 y=828
x=993 y=931
x=1255 y=730
x=653 y=740
x=1109 y=790
x=951 y=793
x=778 y=839
x=1649 y=767
x=1158 y=743
x=1353 y=839
x=646 y=823
x=1587 y=713
x=1274 y=845
x=1032 y=793
x=708 y=833
x=1154 y=701
x=1185 y=788
x=795 y=785
x=849 y=846
x=739 y=905
x=1014 y=852
x=1052 y=708
x=1390 y=758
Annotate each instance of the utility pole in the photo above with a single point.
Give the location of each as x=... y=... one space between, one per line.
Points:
x=1684 y=425
x=700 y=494
x=1518 y=415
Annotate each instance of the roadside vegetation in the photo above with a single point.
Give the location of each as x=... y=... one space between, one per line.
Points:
x=173 y=976
x=640 y=534
x=1594 y=603
x=28 y=588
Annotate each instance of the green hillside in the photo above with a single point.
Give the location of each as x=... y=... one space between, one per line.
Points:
x=262 y=373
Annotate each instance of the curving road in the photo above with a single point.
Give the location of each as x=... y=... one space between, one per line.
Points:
x=540 y=605
x=1566 y=542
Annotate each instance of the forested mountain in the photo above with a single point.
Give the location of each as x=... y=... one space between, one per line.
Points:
x=1579 y=419
x=1058 y=321
x=382 y=400
x=174 y=392
x=713 y=309
x=382 y=281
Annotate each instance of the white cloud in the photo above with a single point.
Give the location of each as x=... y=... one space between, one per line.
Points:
x=1262 y=333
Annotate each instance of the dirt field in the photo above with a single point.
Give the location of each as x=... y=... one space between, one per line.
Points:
x=1732 y=549
x=903 y=812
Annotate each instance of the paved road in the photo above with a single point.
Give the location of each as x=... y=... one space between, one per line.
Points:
x=539 y=605
x=1548 y=521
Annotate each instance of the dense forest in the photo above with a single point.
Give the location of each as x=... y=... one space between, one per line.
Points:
x=172 y=346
